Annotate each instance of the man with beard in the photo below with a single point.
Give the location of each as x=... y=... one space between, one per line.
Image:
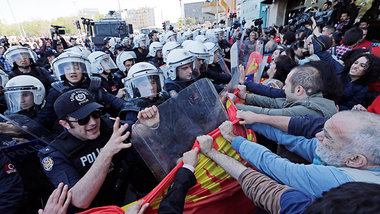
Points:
x=303 y=90
x=345 y=151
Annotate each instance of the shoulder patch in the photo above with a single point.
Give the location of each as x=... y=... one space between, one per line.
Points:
x=48 y=163
x=9 y=168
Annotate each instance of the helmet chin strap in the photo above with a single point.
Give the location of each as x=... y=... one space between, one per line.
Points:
x=24 y=67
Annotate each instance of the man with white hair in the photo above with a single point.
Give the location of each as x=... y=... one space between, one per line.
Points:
x=347 y=150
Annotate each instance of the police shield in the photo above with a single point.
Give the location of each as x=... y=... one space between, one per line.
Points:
x=194 y=111
x=24 y=136
x=255 y=65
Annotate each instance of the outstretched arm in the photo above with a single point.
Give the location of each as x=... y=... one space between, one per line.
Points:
x=85 y=190
x=261 y=189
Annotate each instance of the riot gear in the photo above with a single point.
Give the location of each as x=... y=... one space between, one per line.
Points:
x=169 y=46
x=71 y=64
x=178 y=58
x=124 y=56
x=170 y=36
x=23 y=92
x=153 y=48
x=143 y=81
x=100 y=62
x=16 y=54
x=3 y=78
x=198 y=50
x=79 y=50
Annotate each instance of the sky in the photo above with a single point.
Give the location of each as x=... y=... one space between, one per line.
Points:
x=27 y=10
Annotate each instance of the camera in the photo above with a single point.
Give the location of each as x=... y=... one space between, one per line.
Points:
x=258 y=22
x=57 y=29
x=236 y=24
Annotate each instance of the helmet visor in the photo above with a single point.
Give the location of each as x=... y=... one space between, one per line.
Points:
x=71 y=68
x=146 y=86
x=189 y=71
x=19 y=99
x=20 y=56
x=107 y=63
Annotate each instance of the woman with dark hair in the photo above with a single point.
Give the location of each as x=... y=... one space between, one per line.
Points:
x=359 y=71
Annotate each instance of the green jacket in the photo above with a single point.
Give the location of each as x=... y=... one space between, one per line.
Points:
x=315 y=104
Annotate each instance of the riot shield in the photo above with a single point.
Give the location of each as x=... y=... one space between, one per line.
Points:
x=194 y=111
x=22 y=151
x=255 y=65
x=30 y=137
x=234 y=53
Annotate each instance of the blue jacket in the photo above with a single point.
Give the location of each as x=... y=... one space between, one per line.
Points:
x=310 y=179
x=264 y=90
x=326 y=56
x=353 y=94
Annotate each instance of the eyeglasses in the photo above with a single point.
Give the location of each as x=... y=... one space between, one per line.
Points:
x=95 y=114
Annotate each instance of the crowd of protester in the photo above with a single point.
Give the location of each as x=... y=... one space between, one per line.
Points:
x=314 y=111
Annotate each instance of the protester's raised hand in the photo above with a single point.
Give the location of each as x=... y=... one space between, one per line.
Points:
x=205 y=143
x=227 y=130
x=191 y=157
x=137 y=208
x=149 y=117
x=247 y=117
x=359 y=107
x=58 y=201
x=115 y=143
x=242 y=91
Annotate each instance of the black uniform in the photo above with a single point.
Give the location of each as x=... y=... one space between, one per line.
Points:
x=12 y=189
x=67 y=159
x=47 y=116
x=140 y=57
x=40 y=73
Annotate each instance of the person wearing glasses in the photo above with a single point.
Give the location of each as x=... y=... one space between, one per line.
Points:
x=88 y=156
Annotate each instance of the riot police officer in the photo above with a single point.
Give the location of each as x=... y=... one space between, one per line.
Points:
x=140 y=48
x=101 y=66
x=145 y=87
x=124 y=61
x=4 y=77
x=155 y=54
x=84 y=156
x=24 y=95
x=72 y=71
x=183 y=71
x=23 y=62
x=217 y=69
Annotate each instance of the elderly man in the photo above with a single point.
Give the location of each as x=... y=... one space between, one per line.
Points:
x=303 y=87
x=345 y=151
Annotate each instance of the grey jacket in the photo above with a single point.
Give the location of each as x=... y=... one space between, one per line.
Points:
x=315 y=104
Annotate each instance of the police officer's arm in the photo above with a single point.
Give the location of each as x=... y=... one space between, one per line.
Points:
x=85 y=190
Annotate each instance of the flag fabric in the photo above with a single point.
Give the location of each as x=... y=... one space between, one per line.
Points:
x=252 y=68
x=215 y=190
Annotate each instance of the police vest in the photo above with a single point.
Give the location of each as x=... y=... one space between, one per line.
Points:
x=82 y=155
